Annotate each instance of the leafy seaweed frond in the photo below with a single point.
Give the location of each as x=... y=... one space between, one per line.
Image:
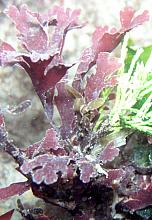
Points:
x=133 y=104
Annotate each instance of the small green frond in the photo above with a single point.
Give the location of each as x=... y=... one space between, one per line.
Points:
x=133 y=105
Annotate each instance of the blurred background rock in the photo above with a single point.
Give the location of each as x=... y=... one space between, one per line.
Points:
x=15 y=85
